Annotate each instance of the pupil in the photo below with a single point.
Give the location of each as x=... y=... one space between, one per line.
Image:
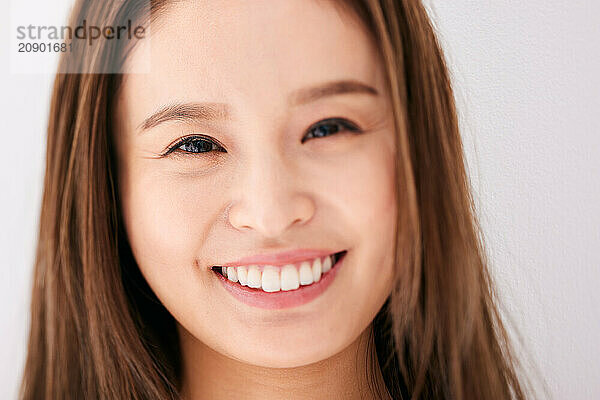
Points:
x=198 y=146
x=325 y=130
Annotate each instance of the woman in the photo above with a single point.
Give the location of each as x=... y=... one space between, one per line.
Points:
x=277 y=209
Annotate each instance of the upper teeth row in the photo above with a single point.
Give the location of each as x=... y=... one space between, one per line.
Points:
x=273 y=279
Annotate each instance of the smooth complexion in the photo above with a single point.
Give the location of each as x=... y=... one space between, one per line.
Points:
x=249 y=77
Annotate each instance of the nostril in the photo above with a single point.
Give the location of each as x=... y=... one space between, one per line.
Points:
x=270 y=212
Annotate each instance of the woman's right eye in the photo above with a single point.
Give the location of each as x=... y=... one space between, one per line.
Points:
x=194 y=145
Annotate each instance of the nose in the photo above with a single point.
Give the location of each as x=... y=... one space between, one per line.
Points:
x=269 y=198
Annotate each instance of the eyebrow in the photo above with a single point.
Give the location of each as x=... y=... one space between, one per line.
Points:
x=194 y=112
x=187 y=112
x=307 y=95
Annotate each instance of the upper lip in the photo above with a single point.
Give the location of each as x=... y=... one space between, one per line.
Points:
x=281 y=258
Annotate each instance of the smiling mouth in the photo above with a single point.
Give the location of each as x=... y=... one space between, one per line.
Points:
x=270 y=278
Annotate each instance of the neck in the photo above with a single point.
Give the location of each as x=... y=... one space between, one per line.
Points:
x=208 y=374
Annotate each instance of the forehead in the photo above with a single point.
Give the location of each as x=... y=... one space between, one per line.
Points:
x=249 y=52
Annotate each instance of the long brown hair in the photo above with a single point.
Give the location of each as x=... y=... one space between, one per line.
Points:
x=98 y=331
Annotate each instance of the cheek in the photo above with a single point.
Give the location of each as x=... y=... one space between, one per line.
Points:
x=167 y=219
x=367 y=191
x=366 y=196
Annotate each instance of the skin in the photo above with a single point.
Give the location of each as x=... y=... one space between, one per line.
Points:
x=267 y=192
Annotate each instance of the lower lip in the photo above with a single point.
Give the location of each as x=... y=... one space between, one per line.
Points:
x=282 y=299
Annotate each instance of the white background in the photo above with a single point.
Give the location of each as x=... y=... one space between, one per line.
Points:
x=527 y=81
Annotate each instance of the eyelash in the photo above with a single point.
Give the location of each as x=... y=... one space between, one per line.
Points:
x=342 y=124
x=195 y=139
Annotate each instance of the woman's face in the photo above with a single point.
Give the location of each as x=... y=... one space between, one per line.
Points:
x=291 y=160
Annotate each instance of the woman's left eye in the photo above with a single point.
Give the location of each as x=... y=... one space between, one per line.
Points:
x=329 y=127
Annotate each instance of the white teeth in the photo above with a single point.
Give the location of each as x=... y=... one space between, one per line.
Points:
x=327 y=264
x=242 y=273
x=270 y=279
x=232 y=274
x=254 y=280
x=317 y=270
x=306 y=277
x=289 y=278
